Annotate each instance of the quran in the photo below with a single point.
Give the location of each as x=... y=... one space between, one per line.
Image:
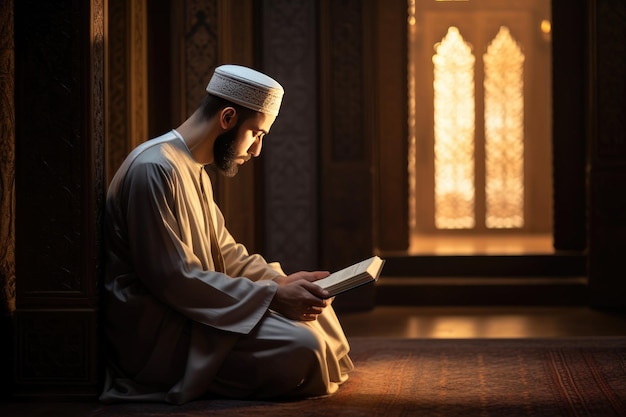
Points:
x=353 y=276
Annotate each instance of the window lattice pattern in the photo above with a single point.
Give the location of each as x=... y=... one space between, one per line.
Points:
x=504 y=132
x=454 y=132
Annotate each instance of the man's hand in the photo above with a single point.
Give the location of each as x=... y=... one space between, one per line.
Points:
x=298 y=298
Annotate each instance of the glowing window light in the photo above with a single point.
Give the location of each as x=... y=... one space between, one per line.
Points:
x=504 y=132
x=454 y=132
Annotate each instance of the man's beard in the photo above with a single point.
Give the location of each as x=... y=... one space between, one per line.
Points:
x=225 y=152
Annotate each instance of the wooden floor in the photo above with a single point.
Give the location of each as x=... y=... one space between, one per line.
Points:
x=420 y=322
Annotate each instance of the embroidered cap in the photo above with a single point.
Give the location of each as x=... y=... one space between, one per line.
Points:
x=246 y=87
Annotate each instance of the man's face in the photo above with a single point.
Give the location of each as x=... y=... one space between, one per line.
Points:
x=243 y=141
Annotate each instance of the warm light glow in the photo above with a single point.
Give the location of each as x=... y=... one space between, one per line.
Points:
x=478 y=156
x=411 y=154
x=504 y=132
x=509 y=244
x=454 y=132
x=460 y=327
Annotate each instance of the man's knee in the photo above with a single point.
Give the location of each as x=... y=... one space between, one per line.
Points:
x=306 y=340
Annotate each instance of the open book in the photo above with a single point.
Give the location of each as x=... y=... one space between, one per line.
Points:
x=352 y=276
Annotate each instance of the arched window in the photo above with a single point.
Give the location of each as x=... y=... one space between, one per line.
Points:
x=480 y=134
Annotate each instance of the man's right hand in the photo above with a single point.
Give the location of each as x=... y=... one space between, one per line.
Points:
x=298 y=297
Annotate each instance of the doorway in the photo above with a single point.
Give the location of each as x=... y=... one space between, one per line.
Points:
x=479 y=81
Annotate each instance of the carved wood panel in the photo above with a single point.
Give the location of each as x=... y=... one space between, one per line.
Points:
x=7 y=161
x=57 y=353
x=7 y=197
x=212 y=33
x=290 y=151
x=59 y=192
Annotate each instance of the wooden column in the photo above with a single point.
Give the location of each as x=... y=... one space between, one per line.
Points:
x=391 y=128
x=607 y=173
x=569 y=123
x=7 y=197
x=59 y=120
x=127 y=80
x=348 y=105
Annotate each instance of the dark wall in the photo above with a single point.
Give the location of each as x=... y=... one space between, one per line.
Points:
x=570 y=123
x=160 y=68
x=606 y=103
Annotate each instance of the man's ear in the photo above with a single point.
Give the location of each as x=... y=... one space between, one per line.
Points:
x=228 y=118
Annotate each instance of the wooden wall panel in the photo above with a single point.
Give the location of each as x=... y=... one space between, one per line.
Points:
x=204 y=35
x=391 y=133
x=7 y=196
x=607 y=173
x=59 y=119
x=127 y=84
x=348 y=99
x=346 y=172
x=290 y=153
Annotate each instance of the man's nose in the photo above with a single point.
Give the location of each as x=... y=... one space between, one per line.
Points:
x=255 y=148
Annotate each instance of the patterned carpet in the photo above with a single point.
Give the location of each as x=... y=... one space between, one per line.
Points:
x=444 y=377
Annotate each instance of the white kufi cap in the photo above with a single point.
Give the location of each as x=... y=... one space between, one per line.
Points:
x=246 y=87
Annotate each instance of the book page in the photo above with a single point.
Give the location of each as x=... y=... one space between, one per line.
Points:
x=346 y=273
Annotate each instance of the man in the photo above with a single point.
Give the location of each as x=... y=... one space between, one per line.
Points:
x=188 y=313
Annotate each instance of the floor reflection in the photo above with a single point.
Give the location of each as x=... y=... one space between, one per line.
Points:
x=482 y=322
x=480 y=244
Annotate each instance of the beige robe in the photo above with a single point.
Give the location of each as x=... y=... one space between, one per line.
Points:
x=177 y=330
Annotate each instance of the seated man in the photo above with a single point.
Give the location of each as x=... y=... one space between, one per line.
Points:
x=188 y=312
